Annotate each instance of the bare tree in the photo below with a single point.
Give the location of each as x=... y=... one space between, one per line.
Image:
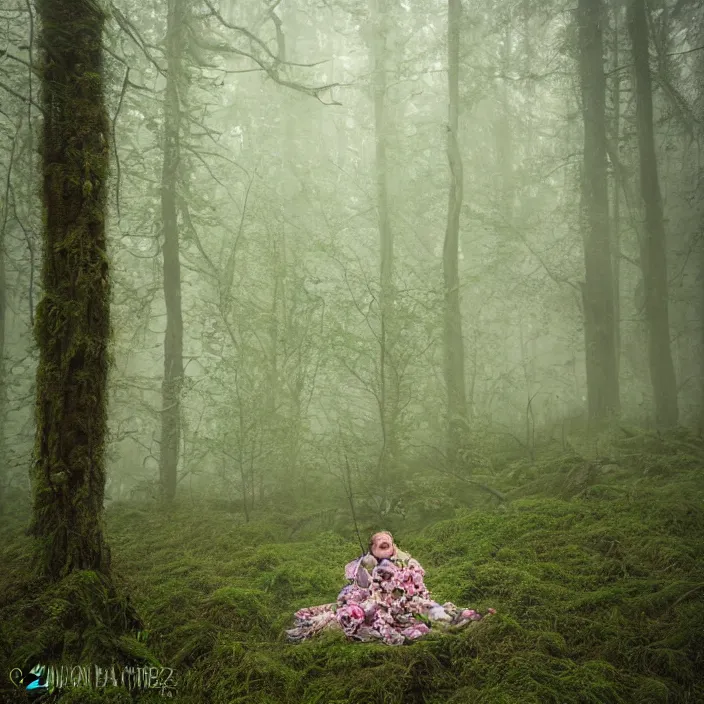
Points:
x=176 y=23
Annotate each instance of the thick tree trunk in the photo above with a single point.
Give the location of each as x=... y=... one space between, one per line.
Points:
x=73 y=317
x=597 y=290
x=652 y=246
x=453 y=342
x=173 y=338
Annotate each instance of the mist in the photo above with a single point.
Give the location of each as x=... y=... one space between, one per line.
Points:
x=297 y=269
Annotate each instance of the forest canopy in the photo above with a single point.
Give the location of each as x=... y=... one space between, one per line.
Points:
x=291 y=284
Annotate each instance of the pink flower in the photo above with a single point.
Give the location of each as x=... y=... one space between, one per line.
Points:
x=415 y=631
x=350 y=616
x=356 y=612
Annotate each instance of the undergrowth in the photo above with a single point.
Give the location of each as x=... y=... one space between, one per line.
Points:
x=594 y=566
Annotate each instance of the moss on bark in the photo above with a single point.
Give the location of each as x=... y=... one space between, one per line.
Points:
x=72 y=325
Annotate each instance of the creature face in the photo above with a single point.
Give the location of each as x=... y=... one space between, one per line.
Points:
x=383 y=546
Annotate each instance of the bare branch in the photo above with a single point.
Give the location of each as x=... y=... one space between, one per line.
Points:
x=134 y=34
x=21 y=97
x=194 y=235
x=10 y=164
x=34 y=69
x=256 y=40
x=270 y=69
x=114 y=143
x=688 y=51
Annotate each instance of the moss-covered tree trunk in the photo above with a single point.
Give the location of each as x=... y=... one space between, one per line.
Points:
x=173 y=338
x=652 y=246
x=453 y=341
x=597 y=290
x=72 y=324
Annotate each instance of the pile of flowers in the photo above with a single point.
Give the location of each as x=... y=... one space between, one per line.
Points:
x=394 y=606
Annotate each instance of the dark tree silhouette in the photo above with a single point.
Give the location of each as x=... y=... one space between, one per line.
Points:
x=72 y=325
x=597 y=290
x=652 y=246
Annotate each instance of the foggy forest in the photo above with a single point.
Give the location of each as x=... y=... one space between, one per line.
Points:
x=401 y=298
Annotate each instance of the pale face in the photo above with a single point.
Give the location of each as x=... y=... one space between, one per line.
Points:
x=383 y=546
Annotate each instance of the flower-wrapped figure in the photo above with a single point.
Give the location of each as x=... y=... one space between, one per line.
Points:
x=385 y=600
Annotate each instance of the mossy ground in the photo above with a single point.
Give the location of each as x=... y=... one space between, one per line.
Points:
x=596 y=568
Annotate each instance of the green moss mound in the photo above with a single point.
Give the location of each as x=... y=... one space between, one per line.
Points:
x=83 y=618
x=600 y=595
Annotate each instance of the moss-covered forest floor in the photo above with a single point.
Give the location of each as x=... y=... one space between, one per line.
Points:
x=596 y=568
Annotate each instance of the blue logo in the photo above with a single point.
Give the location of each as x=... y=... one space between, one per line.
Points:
x=35 y=681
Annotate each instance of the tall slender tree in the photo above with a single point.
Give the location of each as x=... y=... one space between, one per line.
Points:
x=388 y=382
x=4 y=212
x=3 y=383
x=173 y=339
x=453 y=342
x=699 y=109
x=653 y=258
x=616 y=180
x=597 y=290
x=188 y=42
x=73 y=317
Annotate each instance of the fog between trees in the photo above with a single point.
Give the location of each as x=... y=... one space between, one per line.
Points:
x=351 y=243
